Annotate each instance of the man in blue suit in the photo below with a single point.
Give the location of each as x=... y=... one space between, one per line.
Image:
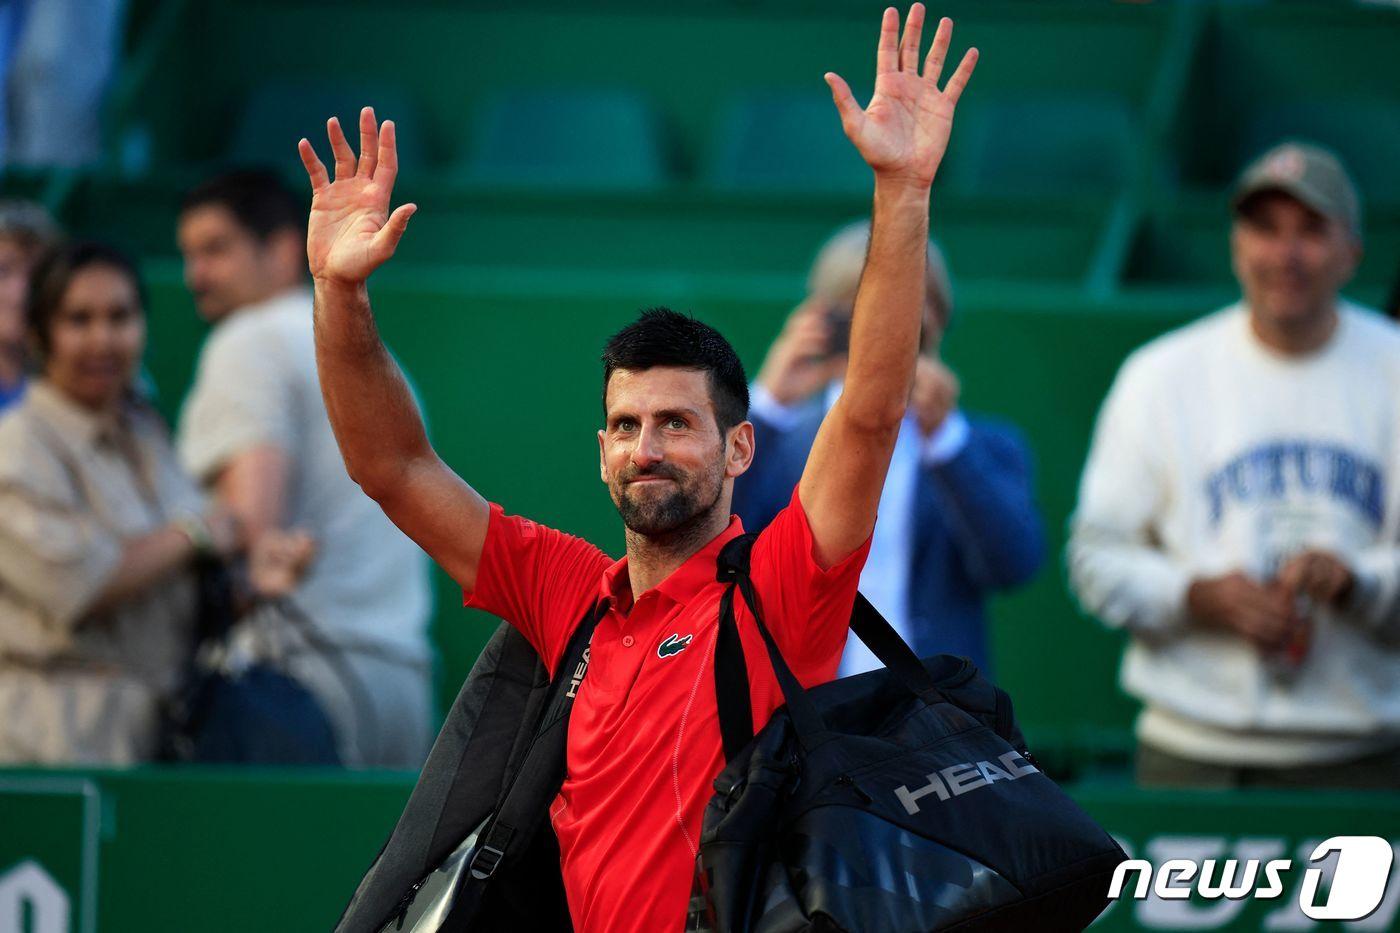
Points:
x=957 y=519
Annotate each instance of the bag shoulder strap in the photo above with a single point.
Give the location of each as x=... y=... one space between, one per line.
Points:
x=731 y=669
x=732 y=683
x=525 y=803
x=732 y=567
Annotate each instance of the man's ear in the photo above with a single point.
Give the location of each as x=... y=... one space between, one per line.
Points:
x=739 y=449
x=602 y=460
x=1235 y=251
x=288 y=250
x=1355 y=254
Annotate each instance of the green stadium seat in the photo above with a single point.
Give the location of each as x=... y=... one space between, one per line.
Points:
x=278 y=113
x=586 y=139
x=1032 y=144
x=1184 y=240
x=785 y=141
x=1365 y=132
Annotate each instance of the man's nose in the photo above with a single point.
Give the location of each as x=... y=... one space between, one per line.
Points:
x=1288 y=250
x=648 y=451
x=196 y=272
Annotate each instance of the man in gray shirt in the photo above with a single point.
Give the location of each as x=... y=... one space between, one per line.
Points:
x=254 y=430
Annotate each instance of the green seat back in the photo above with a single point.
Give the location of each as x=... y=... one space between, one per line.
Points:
x=1041 y=145
x=278 y=113
x=785 y=141
x=590 y=138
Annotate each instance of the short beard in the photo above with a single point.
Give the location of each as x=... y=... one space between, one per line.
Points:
x=674 y=518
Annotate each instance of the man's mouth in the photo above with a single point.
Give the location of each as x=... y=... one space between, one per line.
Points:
x=102 y=369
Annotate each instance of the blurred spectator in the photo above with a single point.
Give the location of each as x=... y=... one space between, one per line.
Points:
x=254 y=429
x=1239 y=514
x=56 y=57
x=956 y=517
x=26 y=231
x=98 y=530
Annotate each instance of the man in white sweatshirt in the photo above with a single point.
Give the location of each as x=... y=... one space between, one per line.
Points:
x=1239 y=513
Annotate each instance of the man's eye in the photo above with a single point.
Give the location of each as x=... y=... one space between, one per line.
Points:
x=677 y=424
x=625 y=425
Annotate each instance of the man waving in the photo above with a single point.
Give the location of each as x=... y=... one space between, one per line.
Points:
x=644 y=742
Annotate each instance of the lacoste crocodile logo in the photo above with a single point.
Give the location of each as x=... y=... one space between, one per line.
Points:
x=673 y=644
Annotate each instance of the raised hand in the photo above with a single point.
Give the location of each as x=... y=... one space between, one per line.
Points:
x=904 y=132
x=350 y=232
x=801 y=360
x=934 y=395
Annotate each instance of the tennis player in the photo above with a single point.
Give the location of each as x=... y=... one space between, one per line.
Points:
x=644 y=742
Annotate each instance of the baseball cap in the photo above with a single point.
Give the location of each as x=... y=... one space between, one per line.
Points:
x=1307 y=172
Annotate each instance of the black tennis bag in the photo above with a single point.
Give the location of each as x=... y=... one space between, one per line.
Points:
x=800 y=835
x=902 y=799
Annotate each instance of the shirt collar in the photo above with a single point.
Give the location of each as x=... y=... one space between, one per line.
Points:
x=71 y=419
x=683 y=582
x=298 y=296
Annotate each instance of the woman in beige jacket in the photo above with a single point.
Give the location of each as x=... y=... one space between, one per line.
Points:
x=99 y=529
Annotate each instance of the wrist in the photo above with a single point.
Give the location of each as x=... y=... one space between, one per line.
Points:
x=1197 y=598
x=901 y=189
x=766 y=407
x=947 y=440
x=769 y=392
x=331 y=287
x=195 y=529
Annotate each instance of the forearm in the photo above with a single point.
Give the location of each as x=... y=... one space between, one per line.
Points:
x=253 y=485
x=372 y=410
x=1127 y=584
x=145 y=562
x=889 y=307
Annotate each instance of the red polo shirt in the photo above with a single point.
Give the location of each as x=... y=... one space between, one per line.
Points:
x=644 y=743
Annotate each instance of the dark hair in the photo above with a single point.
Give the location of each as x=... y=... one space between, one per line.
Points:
x=56 y=270
x=662 y=337
x=29 y=226
x=257 y=198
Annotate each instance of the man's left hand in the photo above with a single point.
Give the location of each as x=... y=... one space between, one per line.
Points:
x=1321 y=575
x=904 y=132
x=934 y=396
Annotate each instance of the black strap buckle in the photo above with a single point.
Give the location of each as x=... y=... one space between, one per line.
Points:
x=485 y=861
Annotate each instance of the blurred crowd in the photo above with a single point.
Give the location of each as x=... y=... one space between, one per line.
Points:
x=1238 y=515
x=227 y=594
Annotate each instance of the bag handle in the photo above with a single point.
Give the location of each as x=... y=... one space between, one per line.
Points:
x=736 y=726
x=893 y=651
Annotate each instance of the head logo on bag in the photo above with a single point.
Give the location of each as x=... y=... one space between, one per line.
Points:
x=959 y=779
x=673 y=644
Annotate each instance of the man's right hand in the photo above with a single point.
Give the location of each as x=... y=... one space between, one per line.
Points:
x=350 y=232
x=1265 y=615
x=800 y=362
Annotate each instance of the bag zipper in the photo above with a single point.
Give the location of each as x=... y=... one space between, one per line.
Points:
x=845 y=780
